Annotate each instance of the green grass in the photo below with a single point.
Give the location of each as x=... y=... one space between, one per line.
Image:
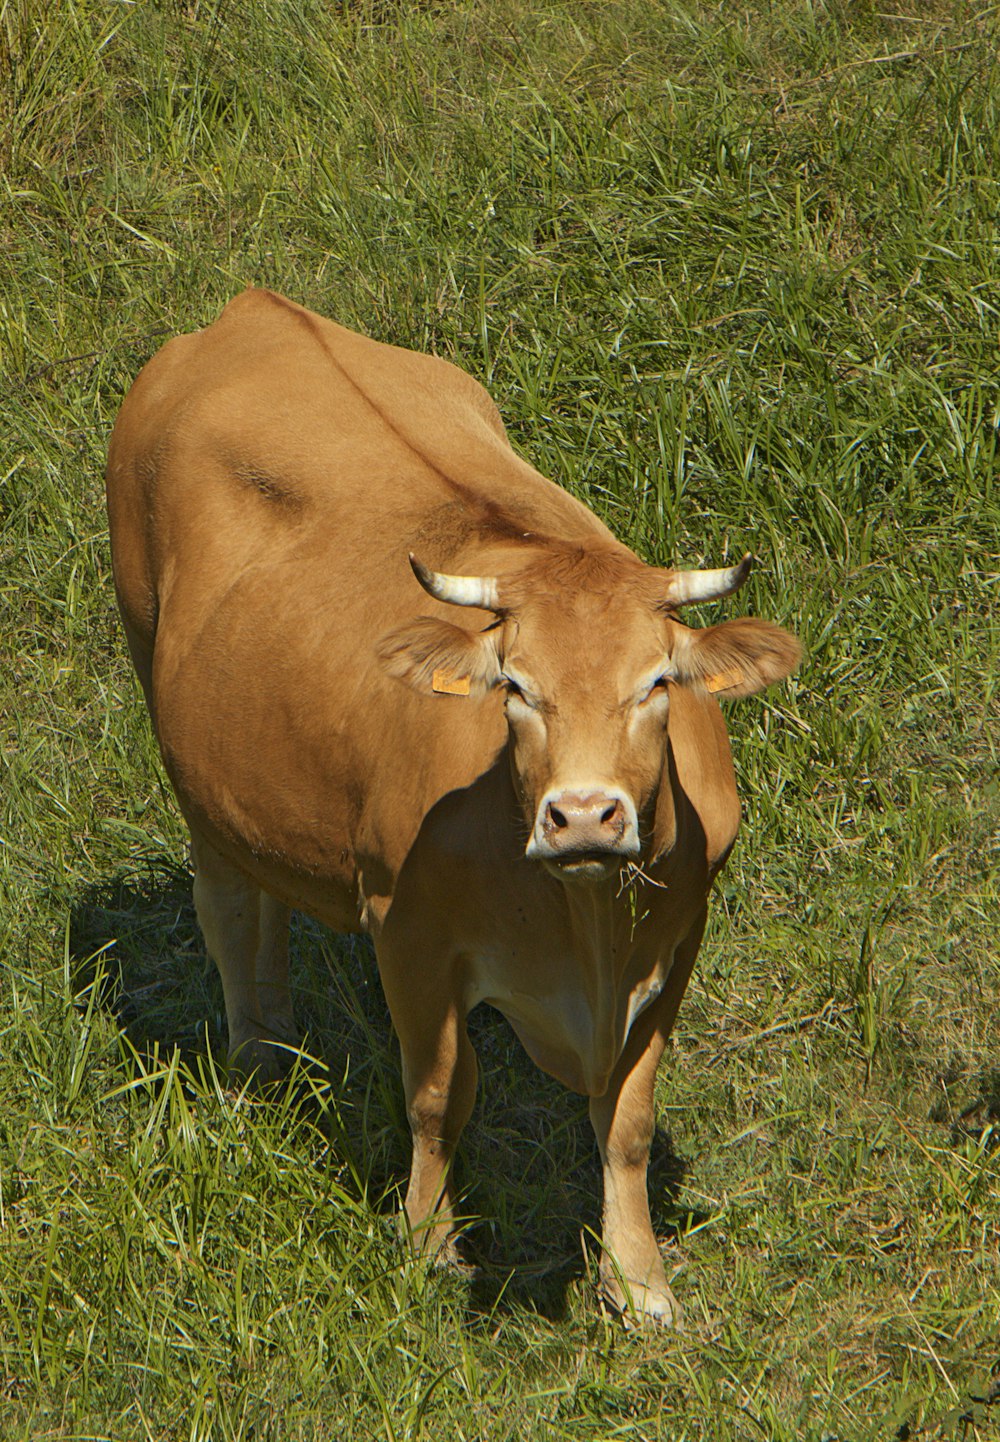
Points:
x=732 y=274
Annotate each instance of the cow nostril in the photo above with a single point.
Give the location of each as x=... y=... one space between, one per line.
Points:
x=557 y=817
x=610 y=813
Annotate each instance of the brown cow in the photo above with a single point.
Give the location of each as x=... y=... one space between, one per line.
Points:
x=524 y=802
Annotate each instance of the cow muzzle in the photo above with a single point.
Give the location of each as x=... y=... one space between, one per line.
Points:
x=584 y=834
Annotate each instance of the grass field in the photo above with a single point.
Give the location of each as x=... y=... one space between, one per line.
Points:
x=732 y=273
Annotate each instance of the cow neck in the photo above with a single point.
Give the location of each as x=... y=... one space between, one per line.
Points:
x=601 y=926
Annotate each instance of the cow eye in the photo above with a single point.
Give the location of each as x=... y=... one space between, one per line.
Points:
x=658 y=689
x=516 y=692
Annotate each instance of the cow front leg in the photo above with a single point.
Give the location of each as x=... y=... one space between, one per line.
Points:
x=632 y=1275
x=427 y=1005
x=439 y=1081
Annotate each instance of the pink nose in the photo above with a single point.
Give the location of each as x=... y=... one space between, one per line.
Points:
x=584 y=823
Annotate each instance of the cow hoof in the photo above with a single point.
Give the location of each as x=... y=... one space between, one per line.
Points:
x=260 y=1061
x=638 y=1305
x=449 y=1259
x=431 y=1243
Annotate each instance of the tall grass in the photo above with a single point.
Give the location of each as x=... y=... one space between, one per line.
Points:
x=732 y=275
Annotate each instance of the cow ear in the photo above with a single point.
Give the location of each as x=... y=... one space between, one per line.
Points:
x=434 y=656
x=735 y=658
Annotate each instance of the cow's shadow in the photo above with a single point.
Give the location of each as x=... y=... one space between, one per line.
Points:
x=528 y=1170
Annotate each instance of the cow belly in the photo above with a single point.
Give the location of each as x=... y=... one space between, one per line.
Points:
x=575 y=1033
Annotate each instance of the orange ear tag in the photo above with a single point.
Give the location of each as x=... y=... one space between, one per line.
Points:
x=722 y=680
x=446 y=684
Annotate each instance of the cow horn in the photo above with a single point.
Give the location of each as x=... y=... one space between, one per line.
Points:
x=684 y=587
x=457 y=590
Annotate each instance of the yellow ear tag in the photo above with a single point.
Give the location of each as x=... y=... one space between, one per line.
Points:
x=722 y=680
x=448 y=685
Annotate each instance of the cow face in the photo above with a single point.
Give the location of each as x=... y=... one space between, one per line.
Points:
x=586 y=649
x=586 y=706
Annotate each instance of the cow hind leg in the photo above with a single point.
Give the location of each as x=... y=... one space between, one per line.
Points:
x=274 y=998
x=246 y=933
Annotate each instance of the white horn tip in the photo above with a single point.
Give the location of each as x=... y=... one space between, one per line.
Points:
x=423 y=575
x=693 y=586
x=479 y=591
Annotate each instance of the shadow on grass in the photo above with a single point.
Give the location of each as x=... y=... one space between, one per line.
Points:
x=528 y=1169
x=544 y=1238
x=140 y=927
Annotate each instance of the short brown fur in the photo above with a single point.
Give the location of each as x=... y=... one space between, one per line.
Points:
x=267 y=479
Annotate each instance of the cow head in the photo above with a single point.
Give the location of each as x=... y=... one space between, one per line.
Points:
x=586 y=646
